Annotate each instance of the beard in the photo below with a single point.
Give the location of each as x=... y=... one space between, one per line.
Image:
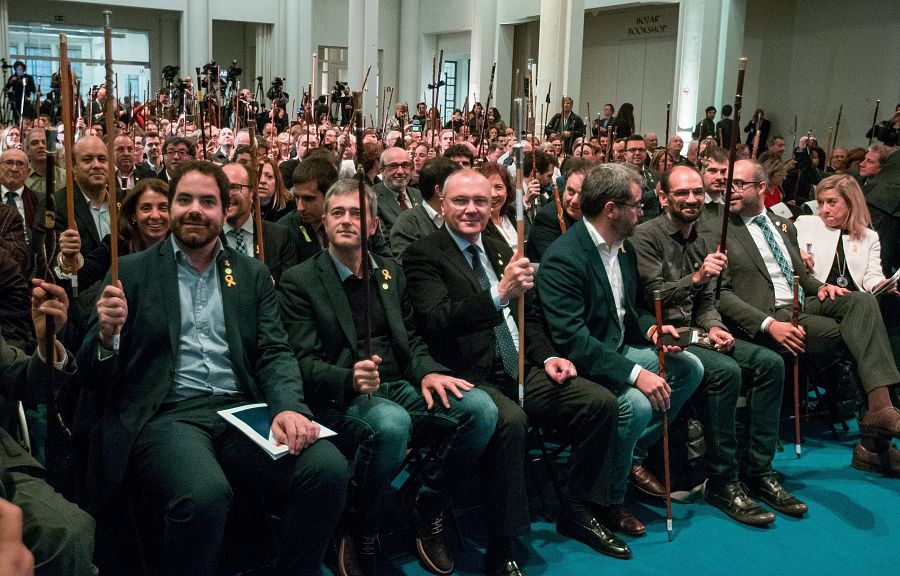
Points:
x=201 y=232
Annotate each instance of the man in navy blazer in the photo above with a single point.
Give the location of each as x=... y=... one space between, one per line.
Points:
x=199 y=331
x=588 y=284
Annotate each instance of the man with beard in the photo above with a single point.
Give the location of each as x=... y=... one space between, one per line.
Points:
x=715 y=178
x=636 y=158
x=395 y=196
x=200 y=332
x=240 y=229
x=548 y=222
x=682 y=266
x=588 y=288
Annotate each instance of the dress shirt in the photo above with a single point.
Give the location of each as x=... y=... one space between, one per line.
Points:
x=20 y=204
x=492 y=278
x=784 y=296
x=609 y=254
x=433 y=215
x=100 y=216
x=203 y=366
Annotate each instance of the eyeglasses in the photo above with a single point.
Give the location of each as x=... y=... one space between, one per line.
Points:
x=13 y=164
x=633 y=150
x=684 y=192
x=238 y=187
x=177 y=152
x=740 y=184
x=635 y=205
x=398 y=165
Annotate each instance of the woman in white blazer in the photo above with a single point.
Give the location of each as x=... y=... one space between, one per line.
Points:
x=842 y=250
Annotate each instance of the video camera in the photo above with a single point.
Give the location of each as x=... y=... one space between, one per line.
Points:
x=276 y=90
x=169 y=73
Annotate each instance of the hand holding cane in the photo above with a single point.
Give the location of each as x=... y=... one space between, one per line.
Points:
x=518 y=149
x=657 y=302
x=363 y=218
x=65 y=83
x=112 y=197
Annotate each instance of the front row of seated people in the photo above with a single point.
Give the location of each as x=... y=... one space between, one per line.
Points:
x=193 y=327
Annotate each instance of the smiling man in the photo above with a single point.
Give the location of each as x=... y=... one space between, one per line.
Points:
x=161 y=433
x=683 y=266
x=548 y=222
x=394 y=193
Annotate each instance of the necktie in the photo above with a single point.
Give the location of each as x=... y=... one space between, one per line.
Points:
x=401 y=198
x=506 y=348
x=782 y=262
x=11 y=198
x=124 y=183
x=239 y=240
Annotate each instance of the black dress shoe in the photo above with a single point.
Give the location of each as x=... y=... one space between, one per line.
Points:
x=595 y=535
x=508 y=569
x=731 y=499
x=500 y=564
x=769 y=490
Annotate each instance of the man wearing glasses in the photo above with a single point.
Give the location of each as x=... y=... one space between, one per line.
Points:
x=757 y=293
x=394 y=194
x=176 y=151
x=636 y=158
x=682 y=265
x=588 y=288
x=240 y=230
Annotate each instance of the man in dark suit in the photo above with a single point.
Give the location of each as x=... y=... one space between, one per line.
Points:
x=35 y=146
x=176 y=151
x=588 y=285
x=59 y=534
x=425 y=218
x=310 y=181
x=547 y=226
x=29 y=205
x=153 y=152
x=463 y=287
x=200 y=332
x=757 y=293
x=394 y=194
x=681 y=264
x=240 y=229
x=127 y=173
x=377 y=404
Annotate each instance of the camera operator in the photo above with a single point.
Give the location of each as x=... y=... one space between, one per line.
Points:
x=340 y=96
x=20 y=85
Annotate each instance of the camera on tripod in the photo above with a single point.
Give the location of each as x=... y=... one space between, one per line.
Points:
x=276 y=90
x=169 y=73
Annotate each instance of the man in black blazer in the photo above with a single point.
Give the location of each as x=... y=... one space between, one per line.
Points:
x=28 y=203
x=588 y=285
x=756 y=298
x=425 y=218
x=279 y=248
x=547 y=226
x=199 y=331
x=377 y=404
x=59 y=535
x=463 y=287
x=395 y=196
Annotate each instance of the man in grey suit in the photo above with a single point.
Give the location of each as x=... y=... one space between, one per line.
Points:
x=425 y=218
x=757 y=293
x=394 y=194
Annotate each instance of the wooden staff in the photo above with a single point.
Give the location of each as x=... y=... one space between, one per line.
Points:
x=657 y=303
x=584 y=136
x=837 y=126
x=49 y=246
x=255 y=171
x=363 y=221
x=559 y=208
x=546 y=111
x=560 y=125
x=794 y=145
x=666 y=145
x=612 y=141
x=795 y=320
x=202 y=126
x=65 y=85
x=518 y=149
x=732 y=156
x=874 y=121
x=482 y=149
x=112 y=197
x=759 y=119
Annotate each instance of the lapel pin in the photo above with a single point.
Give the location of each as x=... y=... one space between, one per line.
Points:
x=229 y=280
x=385 y=286
x=228 y=270
x=387 y=275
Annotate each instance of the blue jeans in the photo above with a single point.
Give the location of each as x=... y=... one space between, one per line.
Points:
x=639 y=426
x=375 y=432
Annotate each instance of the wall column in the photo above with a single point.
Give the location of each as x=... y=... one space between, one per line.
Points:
x=559 y=52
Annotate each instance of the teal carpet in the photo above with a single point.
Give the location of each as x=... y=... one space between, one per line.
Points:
x=853 y=527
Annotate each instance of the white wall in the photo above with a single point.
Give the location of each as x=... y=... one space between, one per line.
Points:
x=808 y=58
x=628 y=61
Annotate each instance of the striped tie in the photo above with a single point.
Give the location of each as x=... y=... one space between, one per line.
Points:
x=783 y=263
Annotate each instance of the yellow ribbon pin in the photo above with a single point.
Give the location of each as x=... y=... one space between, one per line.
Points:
x=305 y=235
x=386 y=274
x=229 y=280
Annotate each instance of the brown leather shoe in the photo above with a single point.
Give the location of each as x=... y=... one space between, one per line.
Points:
x=886 y=461
x=646 y=482
x=768 y=489
x=619 y=518
x=885 y=422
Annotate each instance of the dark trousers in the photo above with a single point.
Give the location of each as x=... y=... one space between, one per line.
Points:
x=189 y=461
x=585 y=412
x=852 y=321
x=762 y=372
